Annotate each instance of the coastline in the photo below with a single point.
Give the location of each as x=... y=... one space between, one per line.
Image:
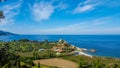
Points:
x=91 y=55
x=80 y=52
x=78 y=40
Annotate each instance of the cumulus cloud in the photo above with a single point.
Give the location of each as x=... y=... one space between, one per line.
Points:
x=42 y=10
x=10 y=11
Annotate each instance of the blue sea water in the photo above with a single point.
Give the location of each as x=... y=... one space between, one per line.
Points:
x=106 y=45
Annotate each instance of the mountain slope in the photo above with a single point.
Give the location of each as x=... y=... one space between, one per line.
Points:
x=5 y=33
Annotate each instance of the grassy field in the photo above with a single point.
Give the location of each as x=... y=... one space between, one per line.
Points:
x=62 y=63
x=103 y=61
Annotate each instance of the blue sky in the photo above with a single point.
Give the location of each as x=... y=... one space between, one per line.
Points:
x=61 y=16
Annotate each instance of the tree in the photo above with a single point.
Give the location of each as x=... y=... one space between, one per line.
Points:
x=18 y=65
x=97 y=64
x=29 y=62
x=36 y=55
x=38 y=64
x=84 y=64
x=3 y=0
x=0 y=65
x=81 y=63
x=1 y=12
x=1 y=15
x=50 y=54
x=115 y=65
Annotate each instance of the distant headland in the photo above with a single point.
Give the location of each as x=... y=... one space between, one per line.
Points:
x=6 y=33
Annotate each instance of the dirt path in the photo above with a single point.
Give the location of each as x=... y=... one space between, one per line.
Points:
x=57 y=62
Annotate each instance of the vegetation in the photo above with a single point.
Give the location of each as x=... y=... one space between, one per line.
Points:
x=95 y=62
x=21 y=53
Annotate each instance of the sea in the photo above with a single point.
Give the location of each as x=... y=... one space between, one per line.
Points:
x=105 y=45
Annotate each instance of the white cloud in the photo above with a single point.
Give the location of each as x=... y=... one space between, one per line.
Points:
x=62 y=6
x=86 y=6
x=10 y=11
x=89 y=5
x=101 y=21
x=42 y=10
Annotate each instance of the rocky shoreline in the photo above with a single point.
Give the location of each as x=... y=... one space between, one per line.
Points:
x=76 y=50
x=81 y=51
